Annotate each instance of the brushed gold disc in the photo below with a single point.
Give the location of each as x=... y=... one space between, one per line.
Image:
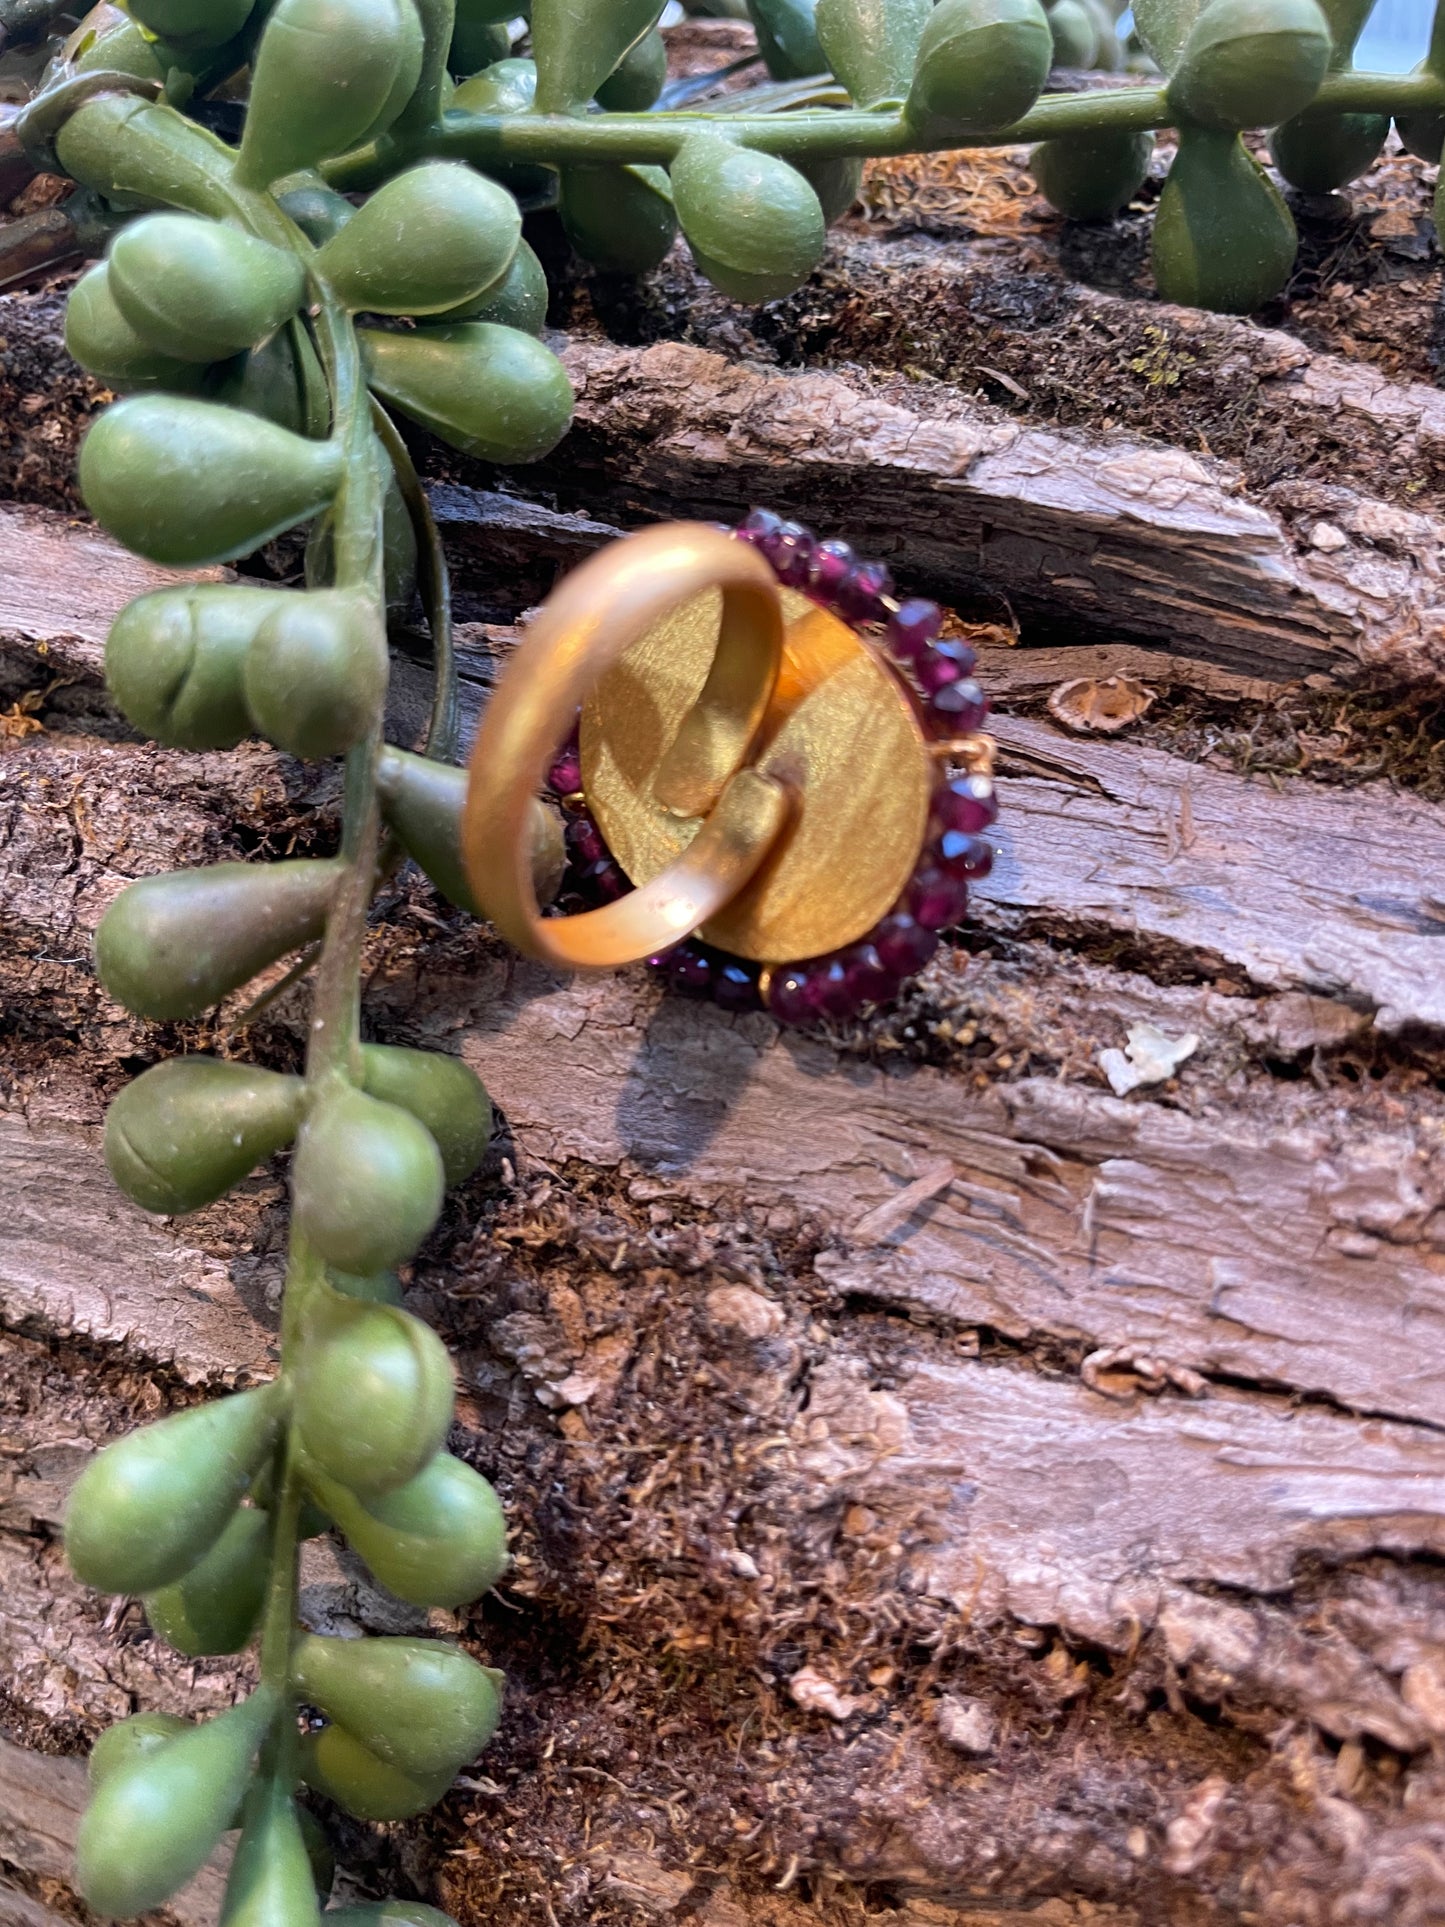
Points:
x=840 y=733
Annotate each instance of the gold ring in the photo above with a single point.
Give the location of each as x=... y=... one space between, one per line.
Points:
x=590 y=621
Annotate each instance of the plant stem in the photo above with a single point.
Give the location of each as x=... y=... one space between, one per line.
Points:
x=489 y=140
x=357 y=552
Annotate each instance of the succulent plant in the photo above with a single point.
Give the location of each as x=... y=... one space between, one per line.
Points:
x=385 y=151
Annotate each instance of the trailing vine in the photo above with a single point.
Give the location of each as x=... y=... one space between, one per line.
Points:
x=255 y=401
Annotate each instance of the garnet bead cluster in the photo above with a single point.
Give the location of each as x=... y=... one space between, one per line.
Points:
x=938 y=673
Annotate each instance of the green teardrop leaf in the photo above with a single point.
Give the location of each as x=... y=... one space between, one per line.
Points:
x=199 y=291
x=1251 y=63
x=185 y=1131
x=373 y=1394
x=137 y=154
x=1075 y=33
x=619 y=218
x=429 y=238
x=281 y=381
x=1091 y=176
x=638 y=78
x=173 y=662
x=835 y=182
x=577 y=43
x=419 y=1705
x=787 y=33
x=439 y=1540
x=367 y=1181
x=215 y=1608
x=438 y=20
x=477 y=45
x=154 y=1822
x=981 y=64
x=872 y=45
x=170 y=947
x=390 y=1913
x=99 y=337
x=121 y=1745
x=519 y=301
x=187 y=483
x=271 y=1882
x=341 y=1768
x=1223 y=237
x=1319 y=153
x=423 y=801
x=315 y=676
x=318 y=210
x=442 y=1092
x=492 y=392
x=149 y=1507
x=328 y=75
x=753 y=222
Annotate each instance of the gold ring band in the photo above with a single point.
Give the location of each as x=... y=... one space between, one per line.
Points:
x=586 y=625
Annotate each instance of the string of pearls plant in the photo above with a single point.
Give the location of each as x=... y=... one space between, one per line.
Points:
x=226 y=311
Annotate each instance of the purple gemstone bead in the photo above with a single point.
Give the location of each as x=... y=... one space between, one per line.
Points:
x=690 y=969
x=963 y=855
x=584 y=841
x=603 y=881
x=936 y=899
x=565 y=776
x=967 y=803
x=788 y=997
x=829 y=988
x=859 y=594
x=935 y=670
x=661 y=959
x=831 y=563
x=903 y=945
x=790 y=549
x=757 y=525
x=957 y=708
x=869 y=978
x=911 y=628
x=956 y=651
x=735 y=985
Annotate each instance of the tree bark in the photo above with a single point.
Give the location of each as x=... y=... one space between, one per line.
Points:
x=941 y=1485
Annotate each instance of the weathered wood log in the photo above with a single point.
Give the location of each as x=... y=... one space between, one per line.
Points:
x=934 y=1477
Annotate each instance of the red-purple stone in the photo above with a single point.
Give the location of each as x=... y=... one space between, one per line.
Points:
x=603 y=881
x=565 y=776
x=959 y=652
x=690 y=969
x=958 y=708
x=903 y=945
x=911 y=627
x=831 y=564
x=859 y=596
x=734 y=984
x=963 y=855
x=584 y=841
x=936 y=899
x=790 y=548
x=935 y=670
x=966 y=803
x=869 y=978
x=829 y=989
x=757 y=525
x=788 y=997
